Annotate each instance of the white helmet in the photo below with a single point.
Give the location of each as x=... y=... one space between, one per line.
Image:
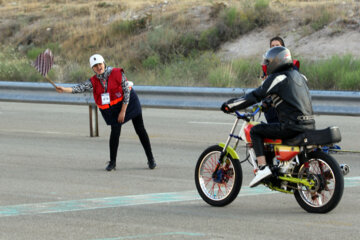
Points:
x=95 y=59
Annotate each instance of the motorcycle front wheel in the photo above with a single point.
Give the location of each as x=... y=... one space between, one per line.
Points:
x=325 y=195
x=222 y=187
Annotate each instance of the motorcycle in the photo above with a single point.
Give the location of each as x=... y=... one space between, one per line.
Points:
x=299 y=166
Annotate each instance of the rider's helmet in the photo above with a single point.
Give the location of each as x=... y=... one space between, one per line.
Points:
x=96 y=59
x=277 y=58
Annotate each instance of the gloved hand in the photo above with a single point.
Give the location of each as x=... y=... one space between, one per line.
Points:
x=225 y=108
x=264 y=107
x=266 y=104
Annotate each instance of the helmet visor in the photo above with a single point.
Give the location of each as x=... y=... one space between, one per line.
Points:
x=265 y=60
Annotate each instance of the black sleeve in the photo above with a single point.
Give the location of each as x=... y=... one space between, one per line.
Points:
x=269 y=86
x=242 y=102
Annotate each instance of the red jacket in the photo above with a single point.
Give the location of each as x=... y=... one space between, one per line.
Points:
x=114 y=88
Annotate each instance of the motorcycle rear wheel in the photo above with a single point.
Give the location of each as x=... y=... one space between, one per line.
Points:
x=223 y=189
x=329 y=183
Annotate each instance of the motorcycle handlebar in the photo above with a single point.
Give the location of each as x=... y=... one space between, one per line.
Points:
x=247 y=116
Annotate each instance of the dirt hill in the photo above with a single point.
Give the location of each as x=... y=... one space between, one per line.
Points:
x=338 y=37
x=33 y=22
x=164 y=42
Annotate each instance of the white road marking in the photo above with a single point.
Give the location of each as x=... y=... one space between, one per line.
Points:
x=211 y=123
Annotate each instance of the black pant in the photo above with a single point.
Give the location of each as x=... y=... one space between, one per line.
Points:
x=272 y=131
x=140 y=131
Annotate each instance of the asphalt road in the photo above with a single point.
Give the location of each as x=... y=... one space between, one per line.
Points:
x=53 y=184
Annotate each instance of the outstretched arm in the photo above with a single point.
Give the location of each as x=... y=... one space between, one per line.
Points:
x=60 y=89
x=270 y=85
x=239 y=103
x=82 y=87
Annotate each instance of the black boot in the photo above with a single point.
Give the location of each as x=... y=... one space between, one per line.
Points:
x=152 y=163
x=111 y=166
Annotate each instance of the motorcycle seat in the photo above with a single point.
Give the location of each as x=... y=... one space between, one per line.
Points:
x=325 y=136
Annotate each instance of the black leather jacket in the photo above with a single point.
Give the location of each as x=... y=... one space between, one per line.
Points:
x=290 y=95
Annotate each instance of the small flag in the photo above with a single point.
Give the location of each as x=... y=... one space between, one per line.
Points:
x=44 y=62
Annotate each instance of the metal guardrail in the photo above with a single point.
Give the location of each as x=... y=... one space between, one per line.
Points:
x=324 y=102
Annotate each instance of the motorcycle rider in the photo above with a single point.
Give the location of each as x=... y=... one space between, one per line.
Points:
x=291 y=97
x=269 y=111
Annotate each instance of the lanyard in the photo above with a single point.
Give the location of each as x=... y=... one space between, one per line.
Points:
x=104 y=85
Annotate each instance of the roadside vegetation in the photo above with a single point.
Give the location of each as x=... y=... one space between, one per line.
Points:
x=334 y=73
x=171 y=43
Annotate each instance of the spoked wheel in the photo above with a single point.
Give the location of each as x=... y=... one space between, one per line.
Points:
x=220 y=188
x=329 y=183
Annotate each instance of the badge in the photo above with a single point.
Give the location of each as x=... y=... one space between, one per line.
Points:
x=105 y=98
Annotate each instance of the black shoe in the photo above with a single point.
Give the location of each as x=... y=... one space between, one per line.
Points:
x=111 y=166
x=152 y=163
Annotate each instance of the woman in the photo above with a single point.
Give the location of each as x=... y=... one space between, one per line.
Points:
x=118 y=103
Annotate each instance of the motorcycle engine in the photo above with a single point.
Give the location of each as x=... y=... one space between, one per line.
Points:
x=286 y=167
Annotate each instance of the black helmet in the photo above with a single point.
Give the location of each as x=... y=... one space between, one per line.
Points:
x=277 y=58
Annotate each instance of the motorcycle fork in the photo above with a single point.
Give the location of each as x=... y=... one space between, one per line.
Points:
x=227 y=143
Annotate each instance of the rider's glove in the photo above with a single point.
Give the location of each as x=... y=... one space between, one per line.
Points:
x=232 y=104
x=225 y=108
x=266 y=104
x=264 y=107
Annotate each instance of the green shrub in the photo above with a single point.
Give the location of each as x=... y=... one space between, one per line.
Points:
x=198 y=67
x=152 y=62
x=54 y=47
x=321 y=21
x=228 y=25
x=163 y=41
x=349 y=73
x=247 y=72
x=263 y=15
x=221 y=76
x=261 y=5
x=322 y=74
x=75 y=72
x=104 y=5
x=33 y=52
x=14 y=67
x=209 y=39
x=350 y=81
x=188 y=43
x=336 y=73
x=180 y=71
x=128 y=27
x=231 y=17
x=241 y=21
x=316 y=17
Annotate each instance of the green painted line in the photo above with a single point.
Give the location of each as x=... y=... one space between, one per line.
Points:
x=132 y=200
x=155 y=235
